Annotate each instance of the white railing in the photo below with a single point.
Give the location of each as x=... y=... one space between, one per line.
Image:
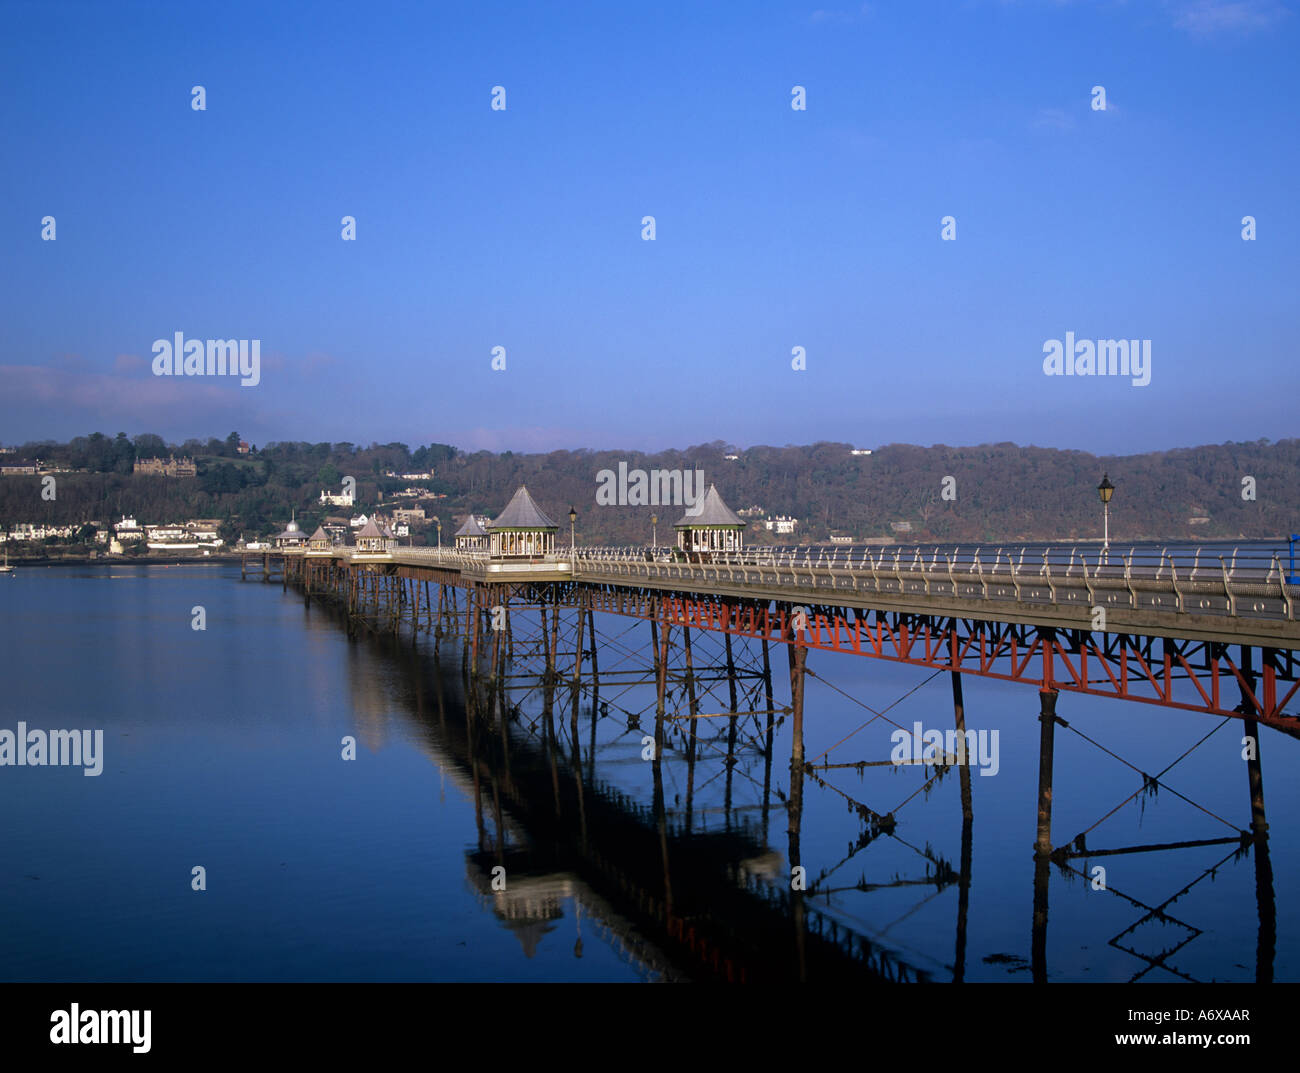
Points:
x=1185 y=580
x=1212 y=581
x=451 y=557
x=460 y=559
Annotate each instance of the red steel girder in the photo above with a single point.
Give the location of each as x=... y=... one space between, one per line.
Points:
x=1122 y=667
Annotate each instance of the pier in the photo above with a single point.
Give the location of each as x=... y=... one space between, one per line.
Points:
x=1200 y=634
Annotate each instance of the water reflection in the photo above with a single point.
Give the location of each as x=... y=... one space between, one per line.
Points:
x=691 y=890
x=684 y=900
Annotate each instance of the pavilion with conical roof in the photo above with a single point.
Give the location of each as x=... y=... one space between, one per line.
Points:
x=471 y=536
x=319 y=540
x=371 y=538
x=713 y=526
x=522 y=529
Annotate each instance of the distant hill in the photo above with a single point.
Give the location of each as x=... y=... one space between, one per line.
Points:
x=997 y=491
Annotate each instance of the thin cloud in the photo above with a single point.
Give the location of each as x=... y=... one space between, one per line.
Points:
x=71 y=399
x=1052 y=120
x=1208 y=18
x=60 y=387
x=130 y=363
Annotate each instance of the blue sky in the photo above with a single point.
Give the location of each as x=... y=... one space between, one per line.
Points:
x=775 y=228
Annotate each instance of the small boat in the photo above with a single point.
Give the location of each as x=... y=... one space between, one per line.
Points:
x=6 y=569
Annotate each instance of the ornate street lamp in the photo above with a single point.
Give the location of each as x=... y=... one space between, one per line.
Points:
x=438 y=522
x=1105 y=490
x=654 y=530
x=573 y=550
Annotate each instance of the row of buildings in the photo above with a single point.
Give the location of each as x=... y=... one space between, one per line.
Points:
x=346 y=498
x=156 y=467
x=25 y=531
x=30 y=468
x=197 y=535
x=782 y=524
x=524 y=530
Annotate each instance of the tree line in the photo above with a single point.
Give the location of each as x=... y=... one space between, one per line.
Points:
x=989 y=492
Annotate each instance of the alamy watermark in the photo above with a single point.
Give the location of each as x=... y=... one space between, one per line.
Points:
x=75 y=1025
x=1105 y=357
x=934 y=747
x=657 y=488
x=53 y=748
x=179 y=356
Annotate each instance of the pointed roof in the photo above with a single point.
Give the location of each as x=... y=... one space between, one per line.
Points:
x=370 y=529
x=320 y=534
x=522 y=512
x=471 y=528
x=712 y=511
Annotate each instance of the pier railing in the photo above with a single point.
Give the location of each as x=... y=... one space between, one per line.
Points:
x=1198 y=580
x=450 y=557
x=1209 y=581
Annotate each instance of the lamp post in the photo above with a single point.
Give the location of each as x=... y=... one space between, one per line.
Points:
x=438 y=522
x=1105 y=490
x=654 y=530
x=573 y=550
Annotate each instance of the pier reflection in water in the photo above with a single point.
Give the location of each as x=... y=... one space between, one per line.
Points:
x=678 y=828
x=691 y=892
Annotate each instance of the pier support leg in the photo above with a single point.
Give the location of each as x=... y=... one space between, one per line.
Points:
x=1267 y=941
x=731 y=723
x=1046 y=744
x=690 y=693
x=794 y=813
x=963 y=757
x=578 y=652
x=555 y=642
x=1266 y=945
x=967 y=816
x=1251 y=730
x=798 y=661
x=963 y=901
x=1043 y=843
x=693 y=712
x=1258 y=824
x=767 y=740
x=661 y=683
x=416 y=594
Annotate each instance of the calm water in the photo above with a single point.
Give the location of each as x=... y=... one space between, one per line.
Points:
x=223 y=751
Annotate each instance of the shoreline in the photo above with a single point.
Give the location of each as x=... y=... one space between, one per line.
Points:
x=118 y=560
